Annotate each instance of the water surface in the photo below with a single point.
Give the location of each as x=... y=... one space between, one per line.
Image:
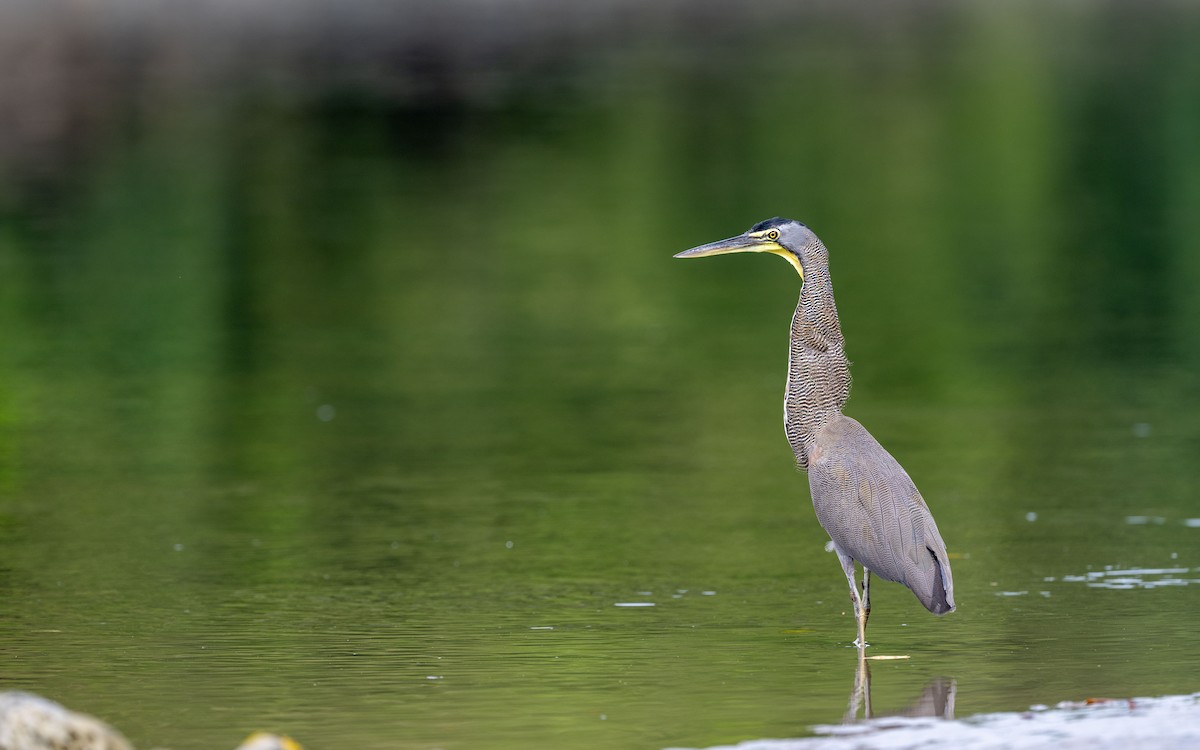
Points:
x=363 y=412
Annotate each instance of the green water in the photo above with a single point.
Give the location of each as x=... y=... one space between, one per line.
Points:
x=329 y=411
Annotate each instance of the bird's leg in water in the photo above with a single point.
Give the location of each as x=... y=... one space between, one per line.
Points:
x=848 y=568
x=866 y=597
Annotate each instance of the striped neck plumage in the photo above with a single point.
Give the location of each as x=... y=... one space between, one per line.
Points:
x=818 y=371
x=817 y=306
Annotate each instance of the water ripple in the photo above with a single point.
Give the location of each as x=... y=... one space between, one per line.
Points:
x=1132 y=578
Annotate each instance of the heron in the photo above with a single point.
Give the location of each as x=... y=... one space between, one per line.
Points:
x=863 y=498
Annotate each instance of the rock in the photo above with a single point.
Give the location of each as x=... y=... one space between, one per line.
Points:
x=29 y=722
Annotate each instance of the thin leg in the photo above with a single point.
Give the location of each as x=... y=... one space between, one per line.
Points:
x=866 y=610
x=848 y=568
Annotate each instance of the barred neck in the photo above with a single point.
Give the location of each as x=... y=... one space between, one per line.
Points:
x=818 y=372
x=816 y=304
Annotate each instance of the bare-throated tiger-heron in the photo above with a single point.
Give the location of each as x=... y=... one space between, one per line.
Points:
x=864 y=500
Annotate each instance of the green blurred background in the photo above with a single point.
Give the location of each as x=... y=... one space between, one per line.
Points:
x=347 y=382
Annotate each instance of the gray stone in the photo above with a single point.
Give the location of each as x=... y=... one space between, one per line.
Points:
x=29 y=722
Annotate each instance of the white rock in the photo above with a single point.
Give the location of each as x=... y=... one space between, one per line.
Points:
x=29 y=722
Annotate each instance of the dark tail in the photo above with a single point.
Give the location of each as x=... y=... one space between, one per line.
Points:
x=943 y=595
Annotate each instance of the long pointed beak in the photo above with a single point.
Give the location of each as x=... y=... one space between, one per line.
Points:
x=740 y=244
x=744 y=243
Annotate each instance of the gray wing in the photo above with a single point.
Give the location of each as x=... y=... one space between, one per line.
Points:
x=873 y=512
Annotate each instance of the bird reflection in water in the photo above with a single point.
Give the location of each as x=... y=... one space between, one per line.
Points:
x=936 y=700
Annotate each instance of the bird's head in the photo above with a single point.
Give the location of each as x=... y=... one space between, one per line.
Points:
x=786 y=238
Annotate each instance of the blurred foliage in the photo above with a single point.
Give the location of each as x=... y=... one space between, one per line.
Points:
x=308 y=314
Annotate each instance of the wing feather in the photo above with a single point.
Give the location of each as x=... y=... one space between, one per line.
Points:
x=873 y=512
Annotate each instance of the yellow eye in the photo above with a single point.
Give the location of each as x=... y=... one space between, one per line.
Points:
x=773 y=235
